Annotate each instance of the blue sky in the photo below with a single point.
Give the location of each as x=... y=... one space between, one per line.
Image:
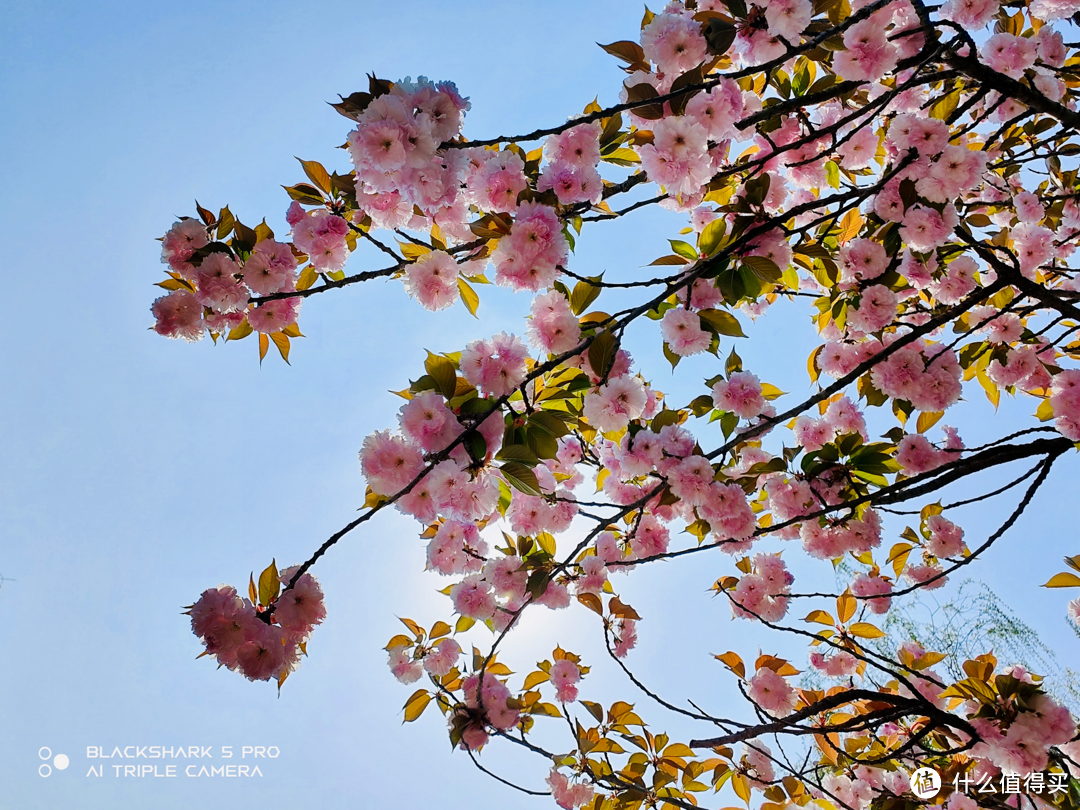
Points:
x=138 y=471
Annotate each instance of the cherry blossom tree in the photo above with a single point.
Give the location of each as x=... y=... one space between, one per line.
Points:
x=908 y=173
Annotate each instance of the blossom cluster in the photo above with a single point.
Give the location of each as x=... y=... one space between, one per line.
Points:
x=259 y=641
x=900 y=207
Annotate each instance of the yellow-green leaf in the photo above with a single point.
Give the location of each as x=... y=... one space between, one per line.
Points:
x=317 y=175
x=269 y=584
x=712 y=236
x=679 y=750
x=412 y=251
x=1044 y=413
x=845 y=606
x=820 y=617
x=241 y=331
x=850 y=226
x=865 y=630
x=742 y=787
x=1063 y=580
x=535 y=679
x=468 y=296
x=927 y=420
x=415 y=705
x=622 y=157
x=723 y=322
x=281 y=340
x=464 y=623
x=307 y=277
x=592 y=602
x=444 y=374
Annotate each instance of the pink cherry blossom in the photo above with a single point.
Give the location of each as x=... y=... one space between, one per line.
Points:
x=972 y=15
x=840 y=664
x=741 y=393
x=564 y=674
x=614 y=404
x=178 y=315
x=678 y=157
x=682 y=332
x=432 y=280
x=262 y=655
x=862 y=259
x=674 y=43
x=916 y=455
x=180 y=242
x=578 y=146
x=404 y=668
x=877 y=588
x=442 y=657
x=625 y=637
x=273 y=316
x=497 y=366
x=717 y=110
x=1009 y=54
x=771 y=692
x=869 y=55
x=946 y=538
x=858 y=151
x=389 y=462
x=788 y=18
x=271 y=268
x=473 y=598
x=527 y=259
x=567 y=794
x=301 y=607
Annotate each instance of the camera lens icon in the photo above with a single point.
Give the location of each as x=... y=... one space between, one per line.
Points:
x=59 y=762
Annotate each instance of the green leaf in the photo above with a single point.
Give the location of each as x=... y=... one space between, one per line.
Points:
x=602 y=353
x=517 y=452
x=584 y=294
x=765 y=269
x=240 y=332
x=303 y=193
x=733 y=363
x=719 y=36
x=308 y=276
x=476 y=445
x=712 y=236
x=538 y=583
x=684 y=249
x=225 y=223
x=723 y=322
x=832 y=174
x=669 y=260
x=671 y=356
x=520 y=477
x=548 y=422
x=443 y=372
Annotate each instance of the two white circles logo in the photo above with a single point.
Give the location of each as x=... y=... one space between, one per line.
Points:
x=60 y=761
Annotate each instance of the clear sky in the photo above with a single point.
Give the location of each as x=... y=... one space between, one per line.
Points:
x=137 y=472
